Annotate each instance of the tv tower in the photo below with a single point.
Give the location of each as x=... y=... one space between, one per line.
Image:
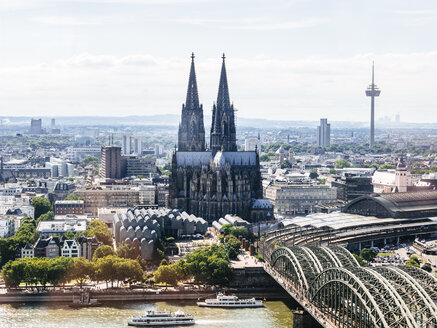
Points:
x=372 y=91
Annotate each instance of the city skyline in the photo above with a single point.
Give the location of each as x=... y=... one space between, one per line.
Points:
x=299 y=60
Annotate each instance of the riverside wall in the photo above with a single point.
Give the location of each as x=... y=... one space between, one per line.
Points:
x=135 y=295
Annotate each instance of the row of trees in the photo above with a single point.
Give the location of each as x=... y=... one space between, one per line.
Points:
x=60 y=270
x=205 y=266
x=380 y=148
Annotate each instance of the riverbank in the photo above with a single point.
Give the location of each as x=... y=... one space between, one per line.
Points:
x=143 y=295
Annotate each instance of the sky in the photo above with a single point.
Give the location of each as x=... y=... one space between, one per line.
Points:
x=286 y=59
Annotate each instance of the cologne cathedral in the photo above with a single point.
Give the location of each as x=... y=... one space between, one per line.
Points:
x=211 y=183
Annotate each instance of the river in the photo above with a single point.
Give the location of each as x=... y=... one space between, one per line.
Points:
x=275 y=314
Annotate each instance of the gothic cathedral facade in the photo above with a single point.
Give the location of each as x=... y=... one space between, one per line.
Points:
x=211 y=183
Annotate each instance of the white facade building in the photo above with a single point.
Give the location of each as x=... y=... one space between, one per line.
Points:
x=77 y=154
x=70 y=248
x=252 y=144
x=7 y=227
x=293 y=199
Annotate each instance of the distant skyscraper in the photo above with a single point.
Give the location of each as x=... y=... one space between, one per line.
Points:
x=53 y=125
x=35 y=126
x=372 y=91
x=138 y=147
x=324 y=133
x=398 y=118
x=126 y=145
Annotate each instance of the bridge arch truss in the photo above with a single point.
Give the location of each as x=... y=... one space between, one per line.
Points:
x=353 y=296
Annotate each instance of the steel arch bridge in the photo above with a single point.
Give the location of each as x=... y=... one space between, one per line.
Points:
x=353 y=296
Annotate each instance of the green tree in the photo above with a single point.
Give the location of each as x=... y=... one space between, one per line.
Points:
x=126 y=251
x=69 y=235
x=360 y=260
x=49 y=216
x=90 y=160
x=233 y=246
x=41 y=205
x=100 y=231
x=227 y=229
x=368 y=254
x=73 y=196
x=103 y=251
x=240 y=231
x=81 y=269
x=342 y=163
x=57 y=270
x=332 y=171
x=413 y=261
x=169 y=274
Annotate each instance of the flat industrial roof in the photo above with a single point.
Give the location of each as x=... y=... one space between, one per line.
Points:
x=339 y=220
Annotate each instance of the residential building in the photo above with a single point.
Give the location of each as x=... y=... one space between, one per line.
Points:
x=70 y=248
x=52 y=249
x=7 y=226
x=63 y=207
x=27 y=251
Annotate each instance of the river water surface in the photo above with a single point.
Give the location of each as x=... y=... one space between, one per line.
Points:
x=275 y=314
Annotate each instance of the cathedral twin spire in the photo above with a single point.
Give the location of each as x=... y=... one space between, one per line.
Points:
x=191 y=129
x=191 y=135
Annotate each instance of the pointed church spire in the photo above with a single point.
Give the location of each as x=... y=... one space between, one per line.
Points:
x=223 y=94
x=192 y=101
x=223 y=134
x=191 y=135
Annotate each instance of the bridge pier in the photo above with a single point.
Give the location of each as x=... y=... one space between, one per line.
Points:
x=302 y=319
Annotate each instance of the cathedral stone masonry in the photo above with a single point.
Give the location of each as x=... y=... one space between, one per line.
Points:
x=211 y=183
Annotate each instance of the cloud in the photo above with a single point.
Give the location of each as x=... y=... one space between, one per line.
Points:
x=64 y=20
x=270 y=26
x=418 y=17
x=86 y=60
x=261 y=86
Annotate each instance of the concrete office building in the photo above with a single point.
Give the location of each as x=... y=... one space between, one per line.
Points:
x=110 y=165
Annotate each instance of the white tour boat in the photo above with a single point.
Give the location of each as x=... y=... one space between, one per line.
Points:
x=162 y=319
x=232 y=301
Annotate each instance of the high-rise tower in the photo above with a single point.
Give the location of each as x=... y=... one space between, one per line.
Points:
x=372 y=91
x=191 y=135
x=223 y=133
x=324 y=133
